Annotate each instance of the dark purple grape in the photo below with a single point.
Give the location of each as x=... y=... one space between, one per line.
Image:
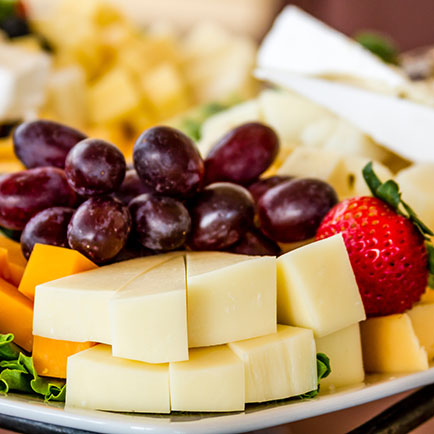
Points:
x=99 y=228
x=221 y=214
x=168 y=161
x=242 y=154
x=293 y=211
x=258 y=188
x=160 y=222
x=132 y=249
x=47 y=227
x=254 y=242
x=95 y=167
x=44 y=143
x=23 y=194
x=131 y=187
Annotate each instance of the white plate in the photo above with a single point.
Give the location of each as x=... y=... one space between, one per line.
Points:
x=254 y=417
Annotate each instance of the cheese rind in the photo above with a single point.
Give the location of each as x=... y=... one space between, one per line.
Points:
x=344 y=349
x=279 y=365
x=149 y=316
x=316 y=288
x=229 y=297
x=76 y=308
x=390 y=345
x=97 y=380
x=211 y=380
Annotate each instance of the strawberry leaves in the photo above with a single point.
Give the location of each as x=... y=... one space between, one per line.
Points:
x=389 y=192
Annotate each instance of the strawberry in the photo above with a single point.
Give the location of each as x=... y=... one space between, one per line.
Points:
x=386 y=246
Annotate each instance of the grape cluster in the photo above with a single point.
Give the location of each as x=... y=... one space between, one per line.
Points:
x=78 y=192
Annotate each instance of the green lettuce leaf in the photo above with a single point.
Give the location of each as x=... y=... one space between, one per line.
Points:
x=323 y=370
x=18 y=374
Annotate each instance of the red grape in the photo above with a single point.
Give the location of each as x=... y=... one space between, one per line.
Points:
x=254 y=242
x=242 y=154
x=95 y=167
x=44 y=143
x=99 y=228
x=293 y=211
x=47 y=227
x=161 y=223
x=131 y=187
x=23 y=194
x=258 y=188
x=168 y=161
x=221 y=214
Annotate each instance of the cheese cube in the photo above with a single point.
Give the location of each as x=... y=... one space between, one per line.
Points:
x=149 y=316
x=390 y=345
x=211 y=380
x=422 y=319
x=344 y=349
x=315 y=163
x=428 y=296
x=230 y=297
x=48 y=263
x=99 y=381
x=50 y=355
x=76 y=308
x=279 y=365
x=316 y=288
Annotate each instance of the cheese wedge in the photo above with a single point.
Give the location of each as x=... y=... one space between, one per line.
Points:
x=96 y=380
x=48 y=263
x=211 y=380
x=230 y=297
x=149 y=315
x=316 y=288
x=422 y=319
x=76 y=308
x=391 y=345
x=279 y=365
x=344 y=349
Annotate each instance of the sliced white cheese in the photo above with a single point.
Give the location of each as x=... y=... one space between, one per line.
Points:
x=76 y=308
x=344 y=349
x=23 y=76
x=279 y=365
x=301 y=44
x=211 y=380
x=98 y=381
x=316 y=288
x=149 y=315
x=401 y=126
x=229 y=297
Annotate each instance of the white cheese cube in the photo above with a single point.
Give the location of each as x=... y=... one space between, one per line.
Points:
x=422 y=319
x=211 y=380
x=149 y=316
x=344 y=349
x=229 y=297
x=76 y=308
x=23 y=76
x=96 y=380
x=390 y=345
x=279 y=365
x=316 y=288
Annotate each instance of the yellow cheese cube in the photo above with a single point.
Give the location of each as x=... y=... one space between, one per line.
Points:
x=428 y=296
x=344 y=349
x=390 y=345
x=211 y=380
x=316 y=288
x=99 y=381
x=149 y=316
x=229 y=297
x=279 y=365
x=112 y=97
x=422 y=319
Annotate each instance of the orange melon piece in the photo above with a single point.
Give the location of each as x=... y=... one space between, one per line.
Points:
x=48 y=263
x=50 y=355
x=16 y=315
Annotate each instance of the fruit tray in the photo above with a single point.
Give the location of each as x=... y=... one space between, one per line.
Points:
x=257 y=416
